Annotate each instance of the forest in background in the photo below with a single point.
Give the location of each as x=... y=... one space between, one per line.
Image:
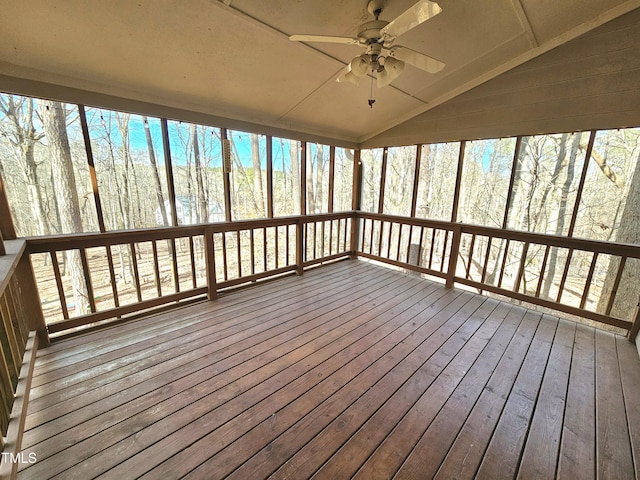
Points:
x=43 y=162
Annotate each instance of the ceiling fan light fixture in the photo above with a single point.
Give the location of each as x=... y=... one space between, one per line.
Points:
x=390 y=71
x=360 y=65
x=348 y=76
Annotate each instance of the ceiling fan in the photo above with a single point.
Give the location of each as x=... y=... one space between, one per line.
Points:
x=382 y=58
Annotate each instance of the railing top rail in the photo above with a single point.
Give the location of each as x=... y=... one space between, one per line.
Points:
x=9 y=262
x=621 y=249
x=98 y=239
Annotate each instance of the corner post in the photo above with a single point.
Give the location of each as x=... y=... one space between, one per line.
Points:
x=453 y=256
x=210 y=254
x=32 y=309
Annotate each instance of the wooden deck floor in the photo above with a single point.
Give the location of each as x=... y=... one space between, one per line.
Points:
x=351 y=370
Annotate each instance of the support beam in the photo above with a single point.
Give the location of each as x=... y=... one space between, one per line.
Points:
x=456 y=192
x=269 y=176
x=6 y=223
x=226 y=173
x=416 y=181
x=92 y=168
x=169 y=169
x=383 y=179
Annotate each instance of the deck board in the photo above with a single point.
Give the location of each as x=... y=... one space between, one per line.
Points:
x=351 y=370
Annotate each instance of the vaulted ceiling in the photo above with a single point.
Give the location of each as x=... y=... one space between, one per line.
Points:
x=231 y=60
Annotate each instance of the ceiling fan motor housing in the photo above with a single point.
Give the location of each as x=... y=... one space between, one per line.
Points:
x=369 y=32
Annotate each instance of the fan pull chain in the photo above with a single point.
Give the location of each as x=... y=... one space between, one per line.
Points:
x=371 y=100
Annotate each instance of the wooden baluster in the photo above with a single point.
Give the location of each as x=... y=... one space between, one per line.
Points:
x=504 y=263
x=174 y=263
x=112 y=276
x=400 y=225
x=542 y=269
x=224 y=256
x=286 y=250
x=486 y=260
x=239 y=254
x=315 y=240
x=322 y=239
x=89 y=284
x=253 y=254
x=420 y=246
x=299 y=247
x=616 y=284
x=444 y=249
x=192 y=256
x=331 y=236
x=3 y=250
x=210 y=259
x=264 y=248
x=136 y=272
x=470 y=259
x=523 y=261
x=432 y=246
x=564 y=275
x=587 y=284
x=277 y=232
x=453 y=256
x=156 y=268
x=58 y=277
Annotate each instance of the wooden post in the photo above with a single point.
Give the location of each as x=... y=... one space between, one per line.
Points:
x=383 y=179
x=169 y=170
x=226 y=172
x=92 y=168
x=456 y=193
x=3 y=251
x=453 y=256
x=269 y=177
x=356 y=197
x=209 y=254
x=332 y=168
x=31 y=306
x=303 y=178
x=6 y=223
x=299 y=247
x=416 y=182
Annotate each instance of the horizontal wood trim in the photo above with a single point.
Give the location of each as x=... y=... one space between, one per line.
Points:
x=327 y=258
x=9 y=262
x=415 y=268
x=123 y=310
x=256 y=276
x=418 y=222
x=598 y=317
x=88 y=240
x=621 y=249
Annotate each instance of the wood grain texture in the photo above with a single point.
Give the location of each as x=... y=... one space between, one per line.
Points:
x=350 y=370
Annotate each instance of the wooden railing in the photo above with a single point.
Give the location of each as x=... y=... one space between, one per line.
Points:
x=550 y=271
x=22 y=328
x=132 y=271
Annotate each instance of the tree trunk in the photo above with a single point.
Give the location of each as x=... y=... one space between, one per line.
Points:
x=258 y=191
x=202 y=201
x=155 y=174
x=627 y=296
x=562 y=210
x=54 y=124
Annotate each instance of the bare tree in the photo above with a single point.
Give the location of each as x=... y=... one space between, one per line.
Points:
x=23 y=136
x=154 y=172
x=54 y=124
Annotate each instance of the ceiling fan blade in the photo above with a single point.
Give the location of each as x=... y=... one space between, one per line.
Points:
x=323 y=38
x=414 y=16
x=417 y=59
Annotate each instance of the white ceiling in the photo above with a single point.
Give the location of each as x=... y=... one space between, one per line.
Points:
x=232 y=58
